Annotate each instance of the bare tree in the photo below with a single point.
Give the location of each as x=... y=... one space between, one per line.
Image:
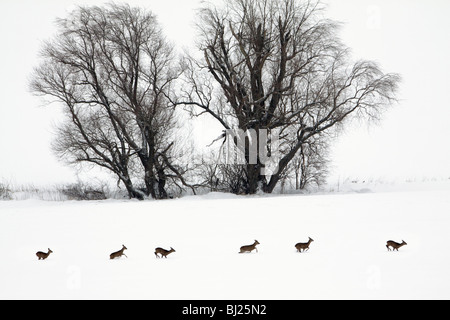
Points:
x=113 y=71
x=278 y=64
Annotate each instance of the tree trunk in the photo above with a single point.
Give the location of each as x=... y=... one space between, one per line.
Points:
x=132 y=192
x=253 y=178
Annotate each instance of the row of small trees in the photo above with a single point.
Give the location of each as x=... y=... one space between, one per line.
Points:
x=262 y=65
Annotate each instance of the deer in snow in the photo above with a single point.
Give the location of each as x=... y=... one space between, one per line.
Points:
x=249 y=248
x=395 y=245
x=43 y=255
x=303 y=246
x=119 y=253
x=163 y=252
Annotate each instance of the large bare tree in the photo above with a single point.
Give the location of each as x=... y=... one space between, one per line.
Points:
x=113 y=71
x=280 y=65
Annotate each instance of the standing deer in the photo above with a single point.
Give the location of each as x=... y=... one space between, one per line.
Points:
x=250 y=248
x=395 y=245
x=303 y=246
x=43 y=255
x=163 y=252
x=119 y=253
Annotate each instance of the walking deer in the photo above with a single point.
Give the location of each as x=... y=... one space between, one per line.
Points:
x=163 y=252
x=119 y=253
x=43 y=255
x=303 y=246
x=395 y=245
x=250 y=248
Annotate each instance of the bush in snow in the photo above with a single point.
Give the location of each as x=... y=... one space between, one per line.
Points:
x=5 y=192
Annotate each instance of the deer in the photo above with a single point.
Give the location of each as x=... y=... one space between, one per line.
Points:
x=43 y=255
x=163 y=252
x=119 y=253
x=395 y=245
x=303 y=246
x=249 y=248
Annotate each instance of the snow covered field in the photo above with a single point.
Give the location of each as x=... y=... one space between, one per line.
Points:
x=347 y=260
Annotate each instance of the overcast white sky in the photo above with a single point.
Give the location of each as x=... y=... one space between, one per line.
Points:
x=410 y=37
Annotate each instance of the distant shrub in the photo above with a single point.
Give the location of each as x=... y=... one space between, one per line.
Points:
x=82 y=192
x=5 y=192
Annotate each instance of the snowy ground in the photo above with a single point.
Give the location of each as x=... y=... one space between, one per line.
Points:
x=348 y=259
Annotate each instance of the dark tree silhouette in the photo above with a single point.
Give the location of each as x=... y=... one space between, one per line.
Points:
x=279 y=65
x=113 y=71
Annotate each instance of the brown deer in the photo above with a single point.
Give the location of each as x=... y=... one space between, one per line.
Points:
x=163 y=252
x=395 y=245
x=303 y=246
x=119 y=253
x=43 y=255
x=250 y=248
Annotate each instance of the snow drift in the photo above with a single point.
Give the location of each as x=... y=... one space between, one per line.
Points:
x=347 y=260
